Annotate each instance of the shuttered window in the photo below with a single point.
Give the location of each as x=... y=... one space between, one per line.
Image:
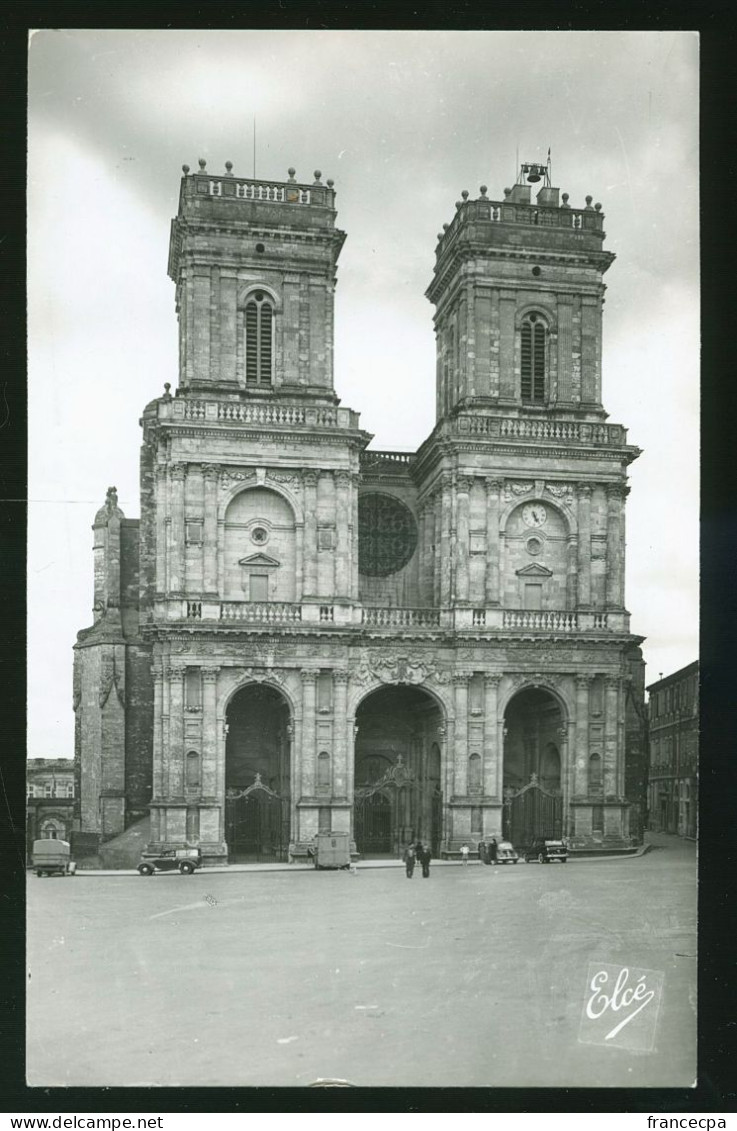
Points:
x=533 y=360
x=259 y=340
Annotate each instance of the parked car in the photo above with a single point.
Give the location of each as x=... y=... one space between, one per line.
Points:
x=505 y=853
x=545 y=850
x=184 y=860
x=52 y=856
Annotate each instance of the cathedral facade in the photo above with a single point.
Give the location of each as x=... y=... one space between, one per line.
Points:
x=302 y=634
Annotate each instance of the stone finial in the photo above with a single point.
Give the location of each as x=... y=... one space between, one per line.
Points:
x=330 y=182
x=167 y=394
x=318 y=174
x=440 y=235
x=291 y=173
x=507 y=192
x=597 y=207
x=589 y=199
x=185 y=169
x=445 y=227
x=111 y=499
x=202 y=163
x=565 y=200
x=483 y=190
x=458 y=204
x=229 y=168
x=464 y=194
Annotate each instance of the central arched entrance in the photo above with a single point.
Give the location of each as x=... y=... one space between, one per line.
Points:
x=397 y=788
x=257 y=768
x=533 y=802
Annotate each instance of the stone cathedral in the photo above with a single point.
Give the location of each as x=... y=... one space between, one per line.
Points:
x=302 y=634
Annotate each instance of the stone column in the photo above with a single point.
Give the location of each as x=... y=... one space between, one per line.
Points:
x=176 y=732
x=161 y=585
x=209 y=732
x=572 y=572
x=422 y=551
x=437 y=564
x=177 y=582
x=611 y=731
x=158 y=767
x=342 y=534
x=460 y=746
x=340 y=737
x=446 y=581
x=463 y=538
x=584 y=546
x=310 y=539
x=349 y=727
x=309 y=783
x=353 y=540
x=428 y=597
x=567 y=779
x=210 y=531
x=491 y=734
x=493 y=487
x=581 y=783
x=615 y=496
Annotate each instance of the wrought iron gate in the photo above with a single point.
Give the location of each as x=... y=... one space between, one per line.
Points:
x=256 y=824
x=532 y=812
x=395 y=809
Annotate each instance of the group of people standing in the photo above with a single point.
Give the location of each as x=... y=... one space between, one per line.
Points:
x=417 y=853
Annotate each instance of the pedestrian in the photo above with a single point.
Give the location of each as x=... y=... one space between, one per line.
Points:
x=492 y=850
x=464 y=854
x=409 y=860
x=425 y=858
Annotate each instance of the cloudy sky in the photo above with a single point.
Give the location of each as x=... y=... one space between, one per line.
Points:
x=403 y=122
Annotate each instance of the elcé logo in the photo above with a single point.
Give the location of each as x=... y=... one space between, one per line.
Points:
x=621 y=1006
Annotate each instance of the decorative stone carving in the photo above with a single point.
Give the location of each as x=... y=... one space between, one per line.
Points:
x=230 y=475
x=110 y=677
x=287 y=480
x=210 y=471
x=513 y=489
x=340 y=675
x=307 y=675
x=561 y=491
x=210 y=674
x=309 y=478
x=178 y=471
x=258 y=675
x=535 y=679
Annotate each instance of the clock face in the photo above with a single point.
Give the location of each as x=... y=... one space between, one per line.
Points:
x=534 y=514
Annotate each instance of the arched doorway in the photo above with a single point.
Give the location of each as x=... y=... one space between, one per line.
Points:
x=397 y=789
x=533 y=803
x=257 y=776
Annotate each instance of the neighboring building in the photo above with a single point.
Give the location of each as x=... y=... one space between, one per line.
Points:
x=50 y=798
x=304 y=635
x=674 y=752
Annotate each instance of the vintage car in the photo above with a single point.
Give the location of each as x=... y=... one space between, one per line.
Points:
x=505 y=853
x=546 y=849
x=52 y=856
x=184 y=860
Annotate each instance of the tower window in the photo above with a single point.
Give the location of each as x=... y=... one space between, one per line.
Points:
x=533 y=360
x=259 y=340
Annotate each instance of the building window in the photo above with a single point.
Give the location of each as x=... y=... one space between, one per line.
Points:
x=193 y=532
x=193 y=769
x=533 y=360
x=70 y=789
x=533 y=596
x=597 y=820
x=258 y=587
x=48 y=791
x=595 y=779
x=259 y=340
x=193 y=689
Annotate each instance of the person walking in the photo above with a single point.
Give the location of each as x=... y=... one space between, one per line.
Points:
x=464 y=854
x=409 y=860
x=492 y=850
x=425 y=858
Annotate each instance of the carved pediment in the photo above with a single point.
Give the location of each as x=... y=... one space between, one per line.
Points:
x=261 y=560
x=534 y=570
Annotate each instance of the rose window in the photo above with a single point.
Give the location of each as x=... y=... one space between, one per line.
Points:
x=387 y=535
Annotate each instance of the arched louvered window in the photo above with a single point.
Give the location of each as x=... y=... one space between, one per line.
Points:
x=533 y=359
x=259 y=339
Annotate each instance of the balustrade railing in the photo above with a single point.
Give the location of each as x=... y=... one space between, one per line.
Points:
x=520 y=428
x=261 y=612
x=378 y=617
x=260 y=413
x=377 y=459
x=547 y=620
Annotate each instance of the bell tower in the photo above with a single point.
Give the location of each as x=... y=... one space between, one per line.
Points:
x=518 y=293
x=254 y=265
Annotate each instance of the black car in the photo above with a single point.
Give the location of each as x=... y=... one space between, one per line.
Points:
x=184 y=860
x=545 y=850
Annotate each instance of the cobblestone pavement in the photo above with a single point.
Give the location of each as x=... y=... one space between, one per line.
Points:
x=475 y=976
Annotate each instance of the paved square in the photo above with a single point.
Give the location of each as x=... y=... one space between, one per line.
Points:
x=476 y=976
